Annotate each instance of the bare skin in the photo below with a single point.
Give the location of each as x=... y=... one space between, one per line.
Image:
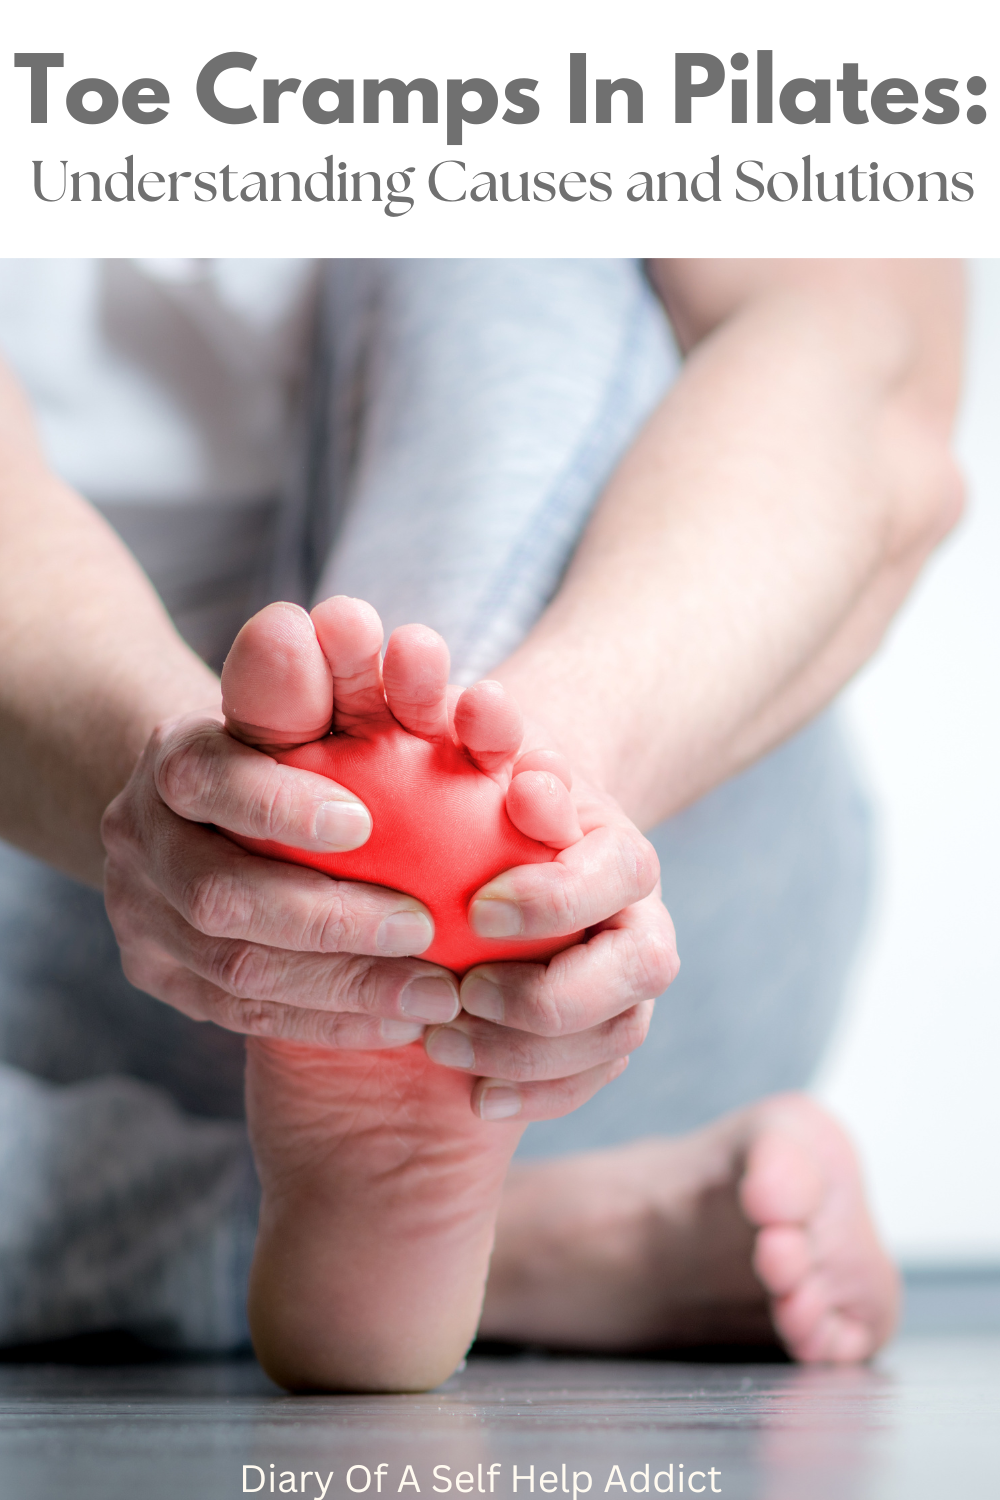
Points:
x=384 y=1175
x=752 y=1229
x=745 y=559
x=382 y=1171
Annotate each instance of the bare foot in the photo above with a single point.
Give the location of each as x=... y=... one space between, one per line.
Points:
x=381 y=1171
x=752 y=1228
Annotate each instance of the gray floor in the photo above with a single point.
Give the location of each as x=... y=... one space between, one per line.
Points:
x=923 y=1421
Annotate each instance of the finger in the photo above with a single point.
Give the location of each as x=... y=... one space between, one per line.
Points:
x=415 y=672
x=350 y=633
x=202 y=1001
x=276 y=685
x=632 y=957
x=223 y=891
x=539 y=804
x=498 y=1099
x=608 y=869
x=473 y=1046
x=490 y=725
x=400 y=988
x=206 y=776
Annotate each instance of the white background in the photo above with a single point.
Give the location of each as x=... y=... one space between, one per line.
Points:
x=119 y=41
x=916 y=1069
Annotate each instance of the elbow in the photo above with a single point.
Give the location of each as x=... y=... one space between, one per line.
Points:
x=928 y=498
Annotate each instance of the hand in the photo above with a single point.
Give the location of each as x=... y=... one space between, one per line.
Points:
x=546 y=1035
x=255 y=945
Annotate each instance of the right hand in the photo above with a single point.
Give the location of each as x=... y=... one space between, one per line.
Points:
x=257 y=945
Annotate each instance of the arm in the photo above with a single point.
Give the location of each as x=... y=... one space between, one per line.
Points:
x=90 y=660
x=744 y=560
x=109 y=722
x=755 y=542
x=101 y=701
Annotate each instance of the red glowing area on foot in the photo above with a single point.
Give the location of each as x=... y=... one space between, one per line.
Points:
x=440 y=832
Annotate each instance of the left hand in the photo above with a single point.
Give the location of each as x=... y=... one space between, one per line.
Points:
x=547 y=1033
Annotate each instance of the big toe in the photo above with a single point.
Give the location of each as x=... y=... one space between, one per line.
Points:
x=782 y=1183
x=276 y=684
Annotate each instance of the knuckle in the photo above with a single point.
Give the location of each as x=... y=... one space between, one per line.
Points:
x=630 y=1030
x=544 y=1008
x=655 y=964
x=366 y=984
x=647 y=866
x=334 y=927
x=257 y=1018
x=525 y=1058
x=115 y=823
x=271 y=803
x=241 y=969
x=212 y=903
x=555 y=1011
x=184 y=774
x=558 y=906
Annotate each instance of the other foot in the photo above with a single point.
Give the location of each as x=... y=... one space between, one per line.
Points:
x=753 y=1228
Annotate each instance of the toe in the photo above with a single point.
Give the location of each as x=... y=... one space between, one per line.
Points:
x=541 y=807
x=782 y=1183
x=415 y=673
x=546 y=760
x=350 y=634
x=798 y=1318
x=276 y=684
x=782 y=1258
x=489 y=725
x=848 y=1340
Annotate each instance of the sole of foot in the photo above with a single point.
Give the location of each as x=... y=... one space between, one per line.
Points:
x=380 y=1183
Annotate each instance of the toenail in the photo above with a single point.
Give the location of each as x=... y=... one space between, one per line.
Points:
x=490 y=918
x=481 y=997
x=450 y=1048
x=404 y=932
x=499 y=1103
x=430 y=998
x=342 y=825
x=399 y=1033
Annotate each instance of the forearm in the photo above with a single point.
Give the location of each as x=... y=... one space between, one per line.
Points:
x=90 y=660
x=754 y=543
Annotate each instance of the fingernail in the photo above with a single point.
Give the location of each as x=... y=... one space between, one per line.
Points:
x=342 y=825
x=404 y=932
x=495 y=919
x=450 y=1048
x=430 y=998
x=481 y=997
x=400 y=1032
x=499 y=1103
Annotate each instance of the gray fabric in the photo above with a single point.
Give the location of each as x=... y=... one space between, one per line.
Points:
x=212 y=564
x=469 y=414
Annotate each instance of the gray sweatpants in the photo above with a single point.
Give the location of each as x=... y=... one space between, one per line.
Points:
x=466 y=416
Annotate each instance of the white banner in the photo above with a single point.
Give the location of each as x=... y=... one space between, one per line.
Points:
x=447 y=127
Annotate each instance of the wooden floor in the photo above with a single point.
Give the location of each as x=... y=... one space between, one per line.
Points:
x=923 y=1422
